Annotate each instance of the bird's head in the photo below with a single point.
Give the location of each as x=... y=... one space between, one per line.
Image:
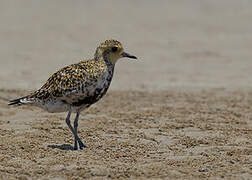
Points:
x=112 y=50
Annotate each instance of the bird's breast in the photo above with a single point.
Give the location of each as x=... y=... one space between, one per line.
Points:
x=94 y=91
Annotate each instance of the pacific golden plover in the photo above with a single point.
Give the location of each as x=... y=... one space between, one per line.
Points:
x=77 y=86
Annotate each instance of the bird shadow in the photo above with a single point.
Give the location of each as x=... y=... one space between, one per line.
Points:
x=66 y=147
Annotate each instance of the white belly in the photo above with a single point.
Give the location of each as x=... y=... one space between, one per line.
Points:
x=55 y=106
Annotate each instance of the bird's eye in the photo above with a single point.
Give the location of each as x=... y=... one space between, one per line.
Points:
x=114 y=49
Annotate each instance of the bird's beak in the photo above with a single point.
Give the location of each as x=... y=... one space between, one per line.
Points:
x=124 y=54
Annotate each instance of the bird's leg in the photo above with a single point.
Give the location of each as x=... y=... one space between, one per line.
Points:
x=71 y=128
x=76 y=131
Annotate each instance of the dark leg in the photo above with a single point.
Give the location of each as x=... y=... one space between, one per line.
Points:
x=71 y=128
x=76 y=131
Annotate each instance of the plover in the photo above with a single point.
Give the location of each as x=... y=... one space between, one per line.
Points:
x=78 y=86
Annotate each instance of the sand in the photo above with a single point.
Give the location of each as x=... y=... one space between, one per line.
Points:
x=182 y=111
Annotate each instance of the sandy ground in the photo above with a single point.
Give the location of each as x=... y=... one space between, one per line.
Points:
x=183 y=111
x=171 y=134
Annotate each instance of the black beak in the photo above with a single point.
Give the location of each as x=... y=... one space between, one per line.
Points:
x=124 y=54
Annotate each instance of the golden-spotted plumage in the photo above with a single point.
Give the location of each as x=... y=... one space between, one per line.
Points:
x=77 y=86
x=71 y=79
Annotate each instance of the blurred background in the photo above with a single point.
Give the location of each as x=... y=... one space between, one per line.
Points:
x=153 y=123
x=189 y=44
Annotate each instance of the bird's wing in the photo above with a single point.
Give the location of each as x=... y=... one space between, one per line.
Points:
x=70 y=80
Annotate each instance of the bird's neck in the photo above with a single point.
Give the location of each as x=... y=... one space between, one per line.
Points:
x=109 y=66
x=104 y=55
x=108 y=62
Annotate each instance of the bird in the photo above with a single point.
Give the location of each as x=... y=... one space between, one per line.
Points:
x=77 y=86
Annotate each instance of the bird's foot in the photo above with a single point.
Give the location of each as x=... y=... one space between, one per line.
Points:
x=81 y=145
x=75 y=145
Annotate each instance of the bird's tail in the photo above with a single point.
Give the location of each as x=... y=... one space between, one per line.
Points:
x=20 y=101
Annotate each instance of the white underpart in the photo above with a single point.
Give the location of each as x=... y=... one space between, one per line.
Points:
x=25 y=101
x=54 y=106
